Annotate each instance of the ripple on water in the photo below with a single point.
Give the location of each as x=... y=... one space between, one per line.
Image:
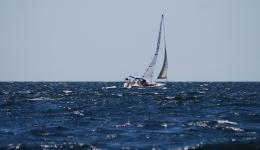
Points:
x=219 y=124
x=40 y=99
x=93 y=115
x=48 y=131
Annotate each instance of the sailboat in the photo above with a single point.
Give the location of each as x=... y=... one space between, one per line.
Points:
x=147 y=79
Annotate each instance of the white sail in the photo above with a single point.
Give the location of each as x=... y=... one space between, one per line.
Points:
x=148 y=75
x=163 y=72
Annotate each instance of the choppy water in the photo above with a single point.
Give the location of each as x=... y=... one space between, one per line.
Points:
x=103 y=115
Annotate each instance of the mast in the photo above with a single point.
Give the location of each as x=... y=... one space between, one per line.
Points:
x=148 y=75
x=163 y=72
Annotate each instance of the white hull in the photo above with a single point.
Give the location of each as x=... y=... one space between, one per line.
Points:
x=130 y=85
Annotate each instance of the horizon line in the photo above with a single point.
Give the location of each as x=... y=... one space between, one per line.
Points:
x=123 y=81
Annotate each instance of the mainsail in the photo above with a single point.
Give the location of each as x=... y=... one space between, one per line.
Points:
x=148 y=75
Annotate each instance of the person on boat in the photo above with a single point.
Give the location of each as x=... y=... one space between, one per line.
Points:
x=128 y=83
x=126 y=79
x=143 y=82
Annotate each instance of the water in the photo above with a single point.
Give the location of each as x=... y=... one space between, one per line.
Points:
x=103 y=115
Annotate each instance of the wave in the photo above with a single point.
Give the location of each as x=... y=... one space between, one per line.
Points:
x=234 y=128
x=76 y=112
x=219 y=124
x=164 y=88
x=48 y=131
x=109 y=87
x=44 y=146
x=40 y=99
x=226 y=122
x=232 y=145
x=43 y=116
x=66 y=91
x=170 y=97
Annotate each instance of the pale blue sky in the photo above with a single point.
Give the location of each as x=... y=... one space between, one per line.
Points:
x=106 y=40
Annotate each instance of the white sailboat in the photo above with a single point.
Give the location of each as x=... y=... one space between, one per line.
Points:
x=147 y=78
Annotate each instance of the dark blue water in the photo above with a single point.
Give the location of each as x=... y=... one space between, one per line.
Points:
x=103 y=115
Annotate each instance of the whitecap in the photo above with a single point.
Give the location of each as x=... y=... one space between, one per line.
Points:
x=205 y=84
x=97 y=93
x=170 y=97
x=109 y=87
x=111 y=136
x=40 y=99
x=123 y=125
x=235 y=113
x=249 y=138
x=140 y=125
x=24 y=92
x=164 y=88
x=48 y=146
x=234 y=128
x=14 y=146
x=199 y=123
x=5 y=92
x=205 y=89
x=94 y=148
x=45 y=146
x=17 y=146
x=164 y=125
x=80 y=144
x=76 y=112
x=186 y=147
x=67 y=91
x=226 y=122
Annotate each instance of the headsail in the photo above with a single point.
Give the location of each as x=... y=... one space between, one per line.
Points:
x=148 y=75
x=163 y=72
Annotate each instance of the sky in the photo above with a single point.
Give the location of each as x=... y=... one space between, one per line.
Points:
x=101 y=40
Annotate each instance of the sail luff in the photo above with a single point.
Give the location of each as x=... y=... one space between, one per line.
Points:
x=148 y=75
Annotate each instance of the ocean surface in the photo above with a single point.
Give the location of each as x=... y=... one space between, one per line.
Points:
x=103 y=115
